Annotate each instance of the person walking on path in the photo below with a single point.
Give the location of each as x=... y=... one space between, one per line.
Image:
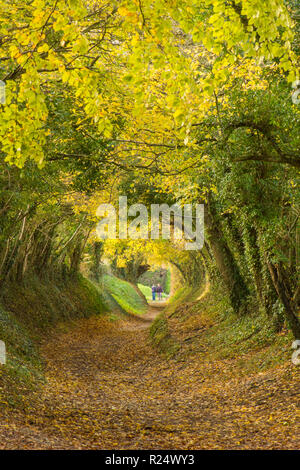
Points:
x=159 y=290
x=153 y=292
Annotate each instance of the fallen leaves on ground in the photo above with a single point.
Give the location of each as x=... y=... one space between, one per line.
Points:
x=107 y=388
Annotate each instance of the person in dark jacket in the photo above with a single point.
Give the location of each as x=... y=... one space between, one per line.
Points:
x=159 y=290
x=153 y=292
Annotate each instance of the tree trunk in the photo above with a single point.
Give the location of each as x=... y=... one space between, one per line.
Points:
x=283 y=295
x=226 y=264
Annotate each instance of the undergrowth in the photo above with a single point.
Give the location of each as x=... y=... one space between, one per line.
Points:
x=208 y=329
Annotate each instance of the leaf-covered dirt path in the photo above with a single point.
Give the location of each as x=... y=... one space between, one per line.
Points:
x=107 y=388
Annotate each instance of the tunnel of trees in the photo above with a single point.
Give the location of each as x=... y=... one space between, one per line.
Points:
x=196 y=104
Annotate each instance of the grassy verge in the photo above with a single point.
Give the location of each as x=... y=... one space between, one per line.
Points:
x=161 y=337
x=250 y=343
x=124 y=294
x=160 y=332
x=205 y=330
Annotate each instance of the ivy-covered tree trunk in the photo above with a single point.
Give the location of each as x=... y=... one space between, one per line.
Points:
x=97 y=253
x=75 y=257
x=225 y=262
x=264 y=288
x=284 y=296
